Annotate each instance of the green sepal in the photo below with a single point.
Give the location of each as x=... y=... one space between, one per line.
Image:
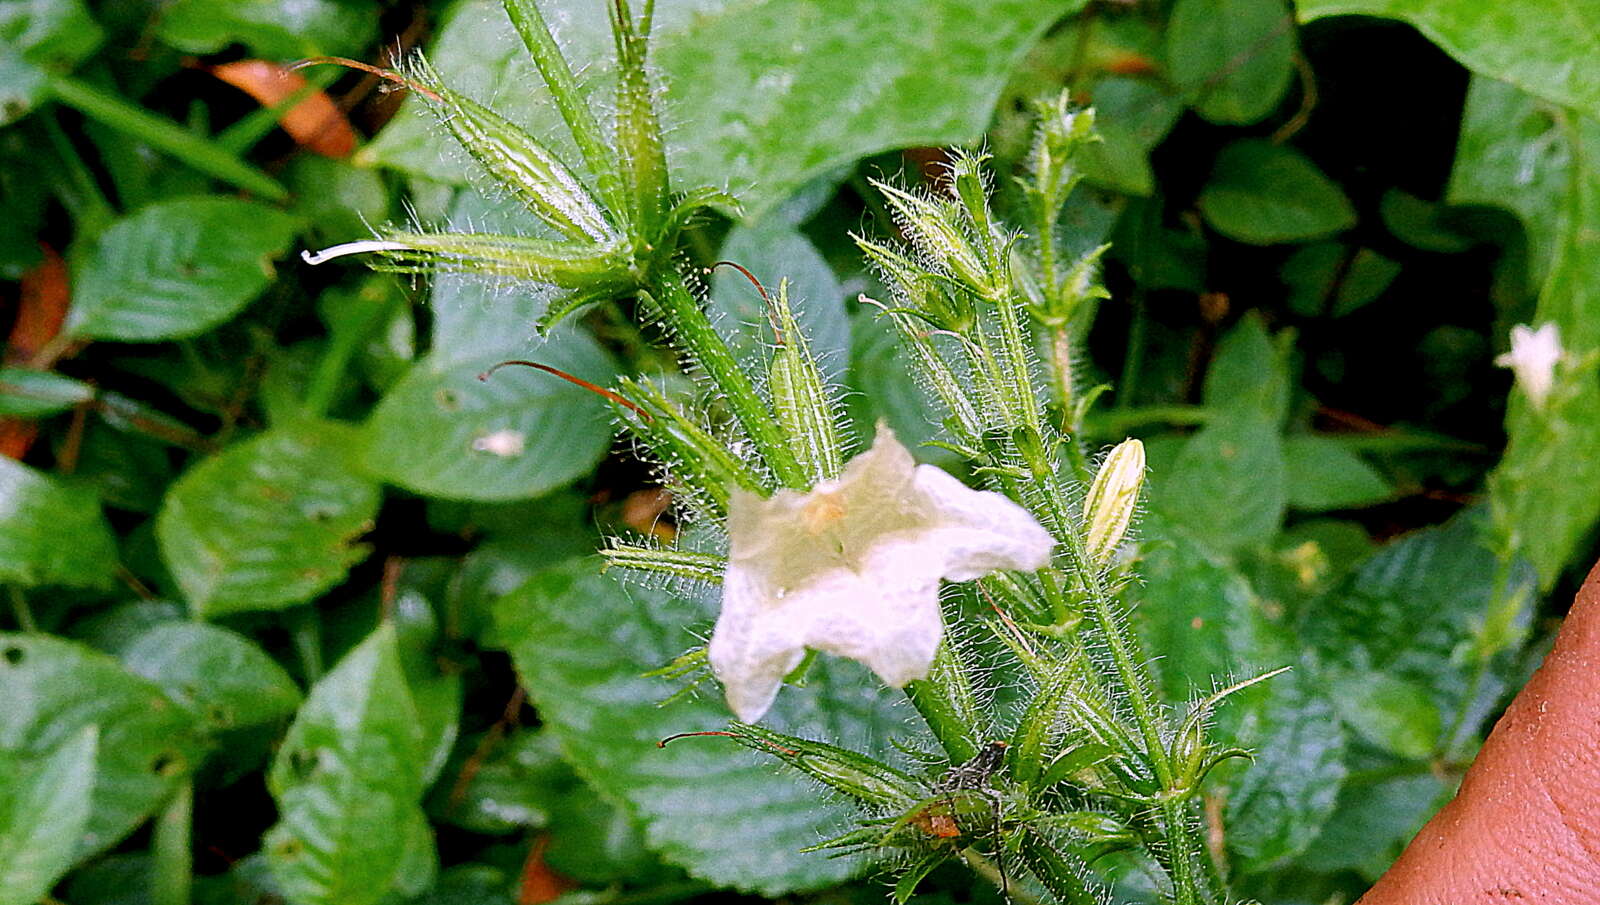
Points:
x=708 y=471
x=518 y=163
x=906 y=886
x=686 y=564
x=860 y=777
x=1072 y=761
x=582 y=266
x=643 y=154
x=801 y=401
x=563 y=86
x=694 y=333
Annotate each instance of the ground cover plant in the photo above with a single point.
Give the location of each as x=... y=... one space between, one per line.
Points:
x=629 y=452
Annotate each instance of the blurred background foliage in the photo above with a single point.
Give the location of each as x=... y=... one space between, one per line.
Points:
x=275 y=559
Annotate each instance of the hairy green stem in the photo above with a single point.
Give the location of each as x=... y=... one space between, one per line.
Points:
x=581 y=122
x=692 y=328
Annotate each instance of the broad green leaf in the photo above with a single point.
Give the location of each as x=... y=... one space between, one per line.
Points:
x=221 y=677
x=1324 y=474
x=1233 y=59
x=1545 y=494
x=1204 y=623
x=1227 y=485
x=1516 y=152
x=516 y=786
x=50 y=533
x=774 y=252
x=1248 y=374
x=1412 y=613
x=776 y=91
x=39 y=35
x=269 y=522
x=1131 y=117
x=581 y=641
x=1549 y=48
x=26 y=393
x=1264 y=193
x=515 y=435
x=347 y=782
x=1390 y=712
x=283 y=30
x=176 y=268
x=1279 y=801
x=1375 y=818
x=44 y=810
x=1329 y=279
x=54 y=689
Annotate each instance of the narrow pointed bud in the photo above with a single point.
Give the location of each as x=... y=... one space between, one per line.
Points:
x=518 y=163
x=1113 y=497
x=801 y=400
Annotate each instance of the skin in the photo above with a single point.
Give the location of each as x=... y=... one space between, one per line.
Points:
x=1525 y=825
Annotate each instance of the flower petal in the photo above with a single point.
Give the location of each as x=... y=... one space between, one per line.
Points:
x=754 y=645
x=980 y=531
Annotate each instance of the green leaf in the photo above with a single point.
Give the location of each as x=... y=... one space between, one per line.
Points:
x=1279 y=802
x=1227 y=485
x=347 y=782
x=707 y=805
x=1264 y=193
x=1131 y=117
x=39 y=35
x=1324 y=474
x=283 y=30
x=777 y=92
x=520 y=433
x=55 y=689
x=1248 y=374
x=517 y=784
x=25 y=393
x=176 y=268
x=1233 y=59
x=1207 y=623
x=1375 y=818
x=50 y=533
x=773 y=252
x=1515 y=152
x=269 y=522
x=1409 y=614
x=1545 y=494
x=1549 y=48
x=1390 y=712
x=44 y=810
x=219 y=676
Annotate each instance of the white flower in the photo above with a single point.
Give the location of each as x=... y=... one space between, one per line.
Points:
x=852 y=568
x=1532 y=359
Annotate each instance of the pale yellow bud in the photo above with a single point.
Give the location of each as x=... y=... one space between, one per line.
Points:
x=1113 y=497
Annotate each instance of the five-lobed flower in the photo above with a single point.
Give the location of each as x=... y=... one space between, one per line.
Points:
x=852 y=567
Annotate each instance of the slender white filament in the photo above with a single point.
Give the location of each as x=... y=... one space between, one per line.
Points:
x=351 y=248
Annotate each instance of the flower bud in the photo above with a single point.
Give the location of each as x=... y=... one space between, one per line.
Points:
x=1113 y=497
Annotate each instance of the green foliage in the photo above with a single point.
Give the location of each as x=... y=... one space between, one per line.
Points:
x=1265 y=193
x=352 y=762
x=44 y=815
x=52 y=534
x=221 y=250
x=270 y=522
x=1542 y=50
x=583 y=667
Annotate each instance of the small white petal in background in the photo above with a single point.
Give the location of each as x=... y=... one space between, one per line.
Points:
x=852 y=568
x=503 y=443
x=1532 y=359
